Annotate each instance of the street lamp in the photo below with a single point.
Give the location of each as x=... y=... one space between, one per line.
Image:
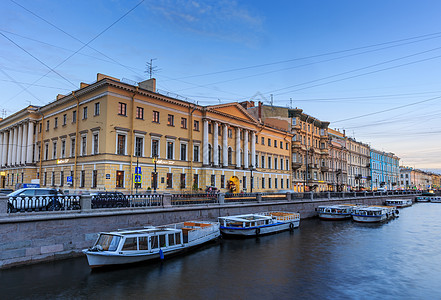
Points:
x=252 y=179
x=155 y=174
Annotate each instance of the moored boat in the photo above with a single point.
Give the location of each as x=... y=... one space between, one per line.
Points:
x=335 y=212
x=422 y=199
x=399 y=203
x=127 y=246
x=258 y=223
x=370 y=214
x=435 y=199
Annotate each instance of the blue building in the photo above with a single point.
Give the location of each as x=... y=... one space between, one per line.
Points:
x=385 y=170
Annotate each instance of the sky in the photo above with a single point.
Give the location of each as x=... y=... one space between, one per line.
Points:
x=371 y=68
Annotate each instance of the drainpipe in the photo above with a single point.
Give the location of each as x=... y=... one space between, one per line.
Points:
x=132 y=137
x=77 y=121
x=41 y=144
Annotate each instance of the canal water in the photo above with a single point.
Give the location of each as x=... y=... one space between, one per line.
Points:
x=400 y=259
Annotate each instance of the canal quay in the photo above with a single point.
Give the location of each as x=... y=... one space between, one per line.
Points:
x=399 y=259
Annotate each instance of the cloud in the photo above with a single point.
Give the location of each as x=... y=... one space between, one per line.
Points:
x=223 y=19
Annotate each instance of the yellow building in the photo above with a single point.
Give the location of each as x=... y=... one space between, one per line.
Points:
x=100 y=136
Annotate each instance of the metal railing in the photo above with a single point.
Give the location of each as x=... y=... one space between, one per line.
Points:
x=43 y=203
x=197 y=198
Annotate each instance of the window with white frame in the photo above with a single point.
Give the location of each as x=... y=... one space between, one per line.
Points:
x=54 y=148
x=155 y=147
x=139 y=146
x=95 y=142
x=97 y=109
x=83 y=145
x=183 y=152
x=170 y=149
x=63 y=148
x=72 y=147
x=196 y=152
x=121 y=144
x=46 y=151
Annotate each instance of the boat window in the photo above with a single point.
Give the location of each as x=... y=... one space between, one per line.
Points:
x=108 y=242
x=162 y=241
x=178 y=238
x=130 y=244
x=154 y=241
x=143 y=243
x=171 y=239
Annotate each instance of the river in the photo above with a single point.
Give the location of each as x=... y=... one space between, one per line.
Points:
x=400 y=259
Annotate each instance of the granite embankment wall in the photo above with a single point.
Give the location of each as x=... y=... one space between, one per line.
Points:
x=32 y=237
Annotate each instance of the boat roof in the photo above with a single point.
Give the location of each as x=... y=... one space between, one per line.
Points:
x=247 y=218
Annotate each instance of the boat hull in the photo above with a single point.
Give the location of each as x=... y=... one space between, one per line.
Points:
x=336 y=217
x=259 y=230
x=97 y=259
x=369 y=219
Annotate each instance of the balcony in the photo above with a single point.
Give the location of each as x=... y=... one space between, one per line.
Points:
x=296 y=144
x=296 y=165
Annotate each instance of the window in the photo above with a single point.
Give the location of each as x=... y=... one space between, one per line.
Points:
x=121 y=144
x=195 y=181
x=95 y=141
x=82 y=178
x=213 y=180
x=169 y=180
x=72 y=147
x=46 y=151
x=56 y=122
x=54 y=147
x=275 y=183
x=263 y=141
x=184 y=123
x=183 y=151
x=61 y=178
x=183 y=181
x=269 y=142
x=230 y=133
x=269 y=162
x=64 y=119
x=196 y=153
x=44 y=178
x=47 y=125
x=155 y=117
x=94 y=178
x=83 y=145
x=262 y=165
x=140 y=113
x=281 y=145
x=52 y=179
x=139 y=146
x=263 y=182
x=275 y=163
x=222 y=182
x=74 y=116
x=119 y=179
x=97 y=109
x=210 y=128
x=171 y=120
x=244 y=182
x=230 y=156
x=269 y=183
x=275 y=144
x=85 y=113
x=155 y=148
x=281 y=164
x=170 y=149
x=287 y=146
x=63 y=148
x=196 y=125
x=122 y=109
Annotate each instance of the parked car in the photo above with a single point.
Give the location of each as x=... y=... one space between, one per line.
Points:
x=109 y=199
x=34 y=198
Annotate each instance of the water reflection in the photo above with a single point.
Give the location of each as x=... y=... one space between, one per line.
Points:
x=320 y=260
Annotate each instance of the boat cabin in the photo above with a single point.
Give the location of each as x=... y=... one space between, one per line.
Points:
x=245 y=221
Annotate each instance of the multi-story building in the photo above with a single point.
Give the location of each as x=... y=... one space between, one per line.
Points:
x=99 y=136
x=338 y=166
x=310 y=151
x=385 y=170
x=358 y=165
x=410 y=178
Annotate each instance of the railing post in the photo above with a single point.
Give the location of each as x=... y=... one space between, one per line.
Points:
x=86 y=202
x=3 y=206
x=288 y=196
x=343 y=194
x=329 y=195
x=221 y=198
x=166 y=200
x=259 y=197
x=311 y=195
x=365 y=194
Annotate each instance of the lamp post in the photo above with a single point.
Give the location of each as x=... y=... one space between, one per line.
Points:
x=252 y=179
x=155 y=181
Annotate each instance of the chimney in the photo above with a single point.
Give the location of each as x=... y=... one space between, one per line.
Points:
x=260 y=110
x=149 y=85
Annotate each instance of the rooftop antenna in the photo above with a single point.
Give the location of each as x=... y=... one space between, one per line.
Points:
x=271 y=101
x=150 y=68
x=290 y=101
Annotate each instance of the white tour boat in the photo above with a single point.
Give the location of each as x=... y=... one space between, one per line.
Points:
x=422 y=199
x=435 y=199
x=258 y=223
x=127 y=246
x=335 y=212
x=399 y=203
x=370 y=214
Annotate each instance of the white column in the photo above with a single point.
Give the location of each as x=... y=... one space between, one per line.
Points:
x=238 y=162
x=30 y=142
x=14 y=146
x=245 y=149
x=225 y=145
x=1 y=148
x=215 y=144
x=5 y=148
x=11 y=134
x=24 y=142
x=253 y=149
x=205 y=143
x=19 y=140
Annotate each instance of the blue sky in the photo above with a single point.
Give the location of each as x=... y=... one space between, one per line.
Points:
x=369 y=67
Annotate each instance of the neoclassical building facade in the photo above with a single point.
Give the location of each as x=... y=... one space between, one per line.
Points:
x=99 y=136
